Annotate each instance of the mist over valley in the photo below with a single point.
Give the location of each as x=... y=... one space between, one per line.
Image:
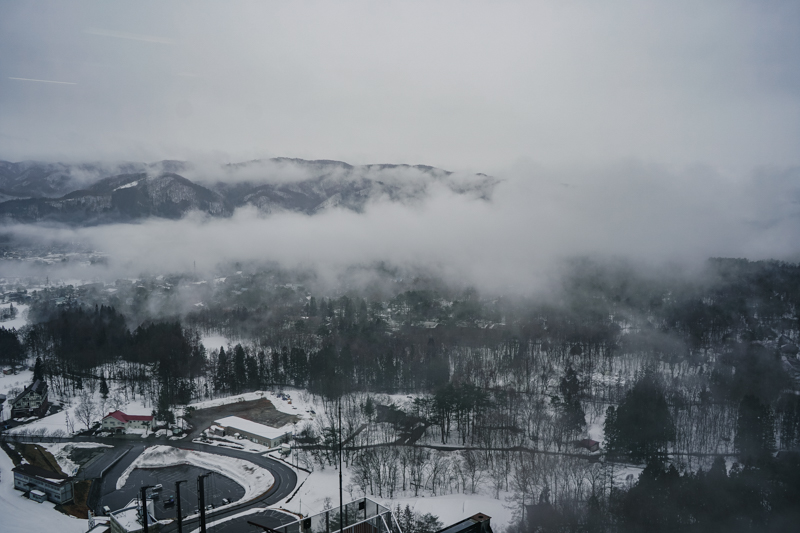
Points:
x=405 y=268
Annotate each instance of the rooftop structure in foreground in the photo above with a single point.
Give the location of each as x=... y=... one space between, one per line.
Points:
x=129 y=518
x=358 y=516
x=477 y=523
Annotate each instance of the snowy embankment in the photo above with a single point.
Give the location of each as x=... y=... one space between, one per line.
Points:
x=62 y=450
x=322 y=485
x=21 y=515
x=254 y=479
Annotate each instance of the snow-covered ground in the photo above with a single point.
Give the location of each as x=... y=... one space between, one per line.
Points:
x=453 y=508
x=595 y=428
x=232 y=442
x=246 y=397
x=21 y=515
x=58 y=421
x=215 y=342
x=254 y=479
x=301 y=400
x=450 y=508
x=18 y=321
x=62 y=450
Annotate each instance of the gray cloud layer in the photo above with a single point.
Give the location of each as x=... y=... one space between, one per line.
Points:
x=536 y=218
x=458 y=85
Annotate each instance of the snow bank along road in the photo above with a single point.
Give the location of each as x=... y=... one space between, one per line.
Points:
x=284 y=476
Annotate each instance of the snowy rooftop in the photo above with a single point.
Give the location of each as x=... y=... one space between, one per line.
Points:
x=234 y=422
x=128 y=518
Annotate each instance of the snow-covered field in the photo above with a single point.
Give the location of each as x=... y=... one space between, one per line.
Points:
x=18 y=321
x=254 y=479
x=21 y=515
x=215 y=342
x=451 y=508
x=301 y=400
x=59 y=421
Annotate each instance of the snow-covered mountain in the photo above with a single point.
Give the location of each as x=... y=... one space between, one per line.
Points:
x=126 y=197
x=95 y=193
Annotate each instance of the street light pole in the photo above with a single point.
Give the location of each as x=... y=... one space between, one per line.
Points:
x=178 y=497
x=144 y=506
x=201 y=499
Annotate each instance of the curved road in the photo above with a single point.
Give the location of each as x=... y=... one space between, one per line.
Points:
x=285 y=477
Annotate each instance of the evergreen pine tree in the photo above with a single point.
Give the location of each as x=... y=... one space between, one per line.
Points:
x=755 y=429
x=103 y=386
x=38 y=370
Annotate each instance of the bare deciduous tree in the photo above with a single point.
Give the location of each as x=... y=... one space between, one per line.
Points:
x=86 y=410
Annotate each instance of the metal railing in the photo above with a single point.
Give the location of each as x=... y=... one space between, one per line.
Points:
x=358 y=516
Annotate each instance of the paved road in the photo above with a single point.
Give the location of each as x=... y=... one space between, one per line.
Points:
x=285 y=480
x=217 y=487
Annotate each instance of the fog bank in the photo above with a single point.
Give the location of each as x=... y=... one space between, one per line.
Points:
x=537 y=218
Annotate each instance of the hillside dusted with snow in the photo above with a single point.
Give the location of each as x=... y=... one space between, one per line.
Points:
x=103 y=194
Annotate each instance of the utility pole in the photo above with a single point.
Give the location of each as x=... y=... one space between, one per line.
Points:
x=178 y=498
x=144 y=506
x=201 y=500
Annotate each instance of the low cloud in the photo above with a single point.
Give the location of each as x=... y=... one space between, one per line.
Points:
x=537 y=218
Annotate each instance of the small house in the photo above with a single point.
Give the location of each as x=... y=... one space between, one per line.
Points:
x=588 y=444
x=119 y=422
x=32 y=401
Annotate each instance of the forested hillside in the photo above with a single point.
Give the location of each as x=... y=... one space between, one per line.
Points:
x=692 y=377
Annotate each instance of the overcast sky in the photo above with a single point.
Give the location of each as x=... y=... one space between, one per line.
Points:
x=460 y=85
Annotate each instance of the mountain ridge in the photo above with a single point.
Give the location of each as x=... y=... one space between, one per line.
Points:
x=30 y=193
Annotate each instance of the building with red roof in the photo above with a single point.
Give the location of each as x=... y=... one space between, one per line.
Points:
x=119 y=422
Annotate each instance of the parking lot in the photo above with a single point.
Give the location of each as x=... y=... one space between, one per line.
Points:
x=261 y=411
x=217 y=487
x=267 y=517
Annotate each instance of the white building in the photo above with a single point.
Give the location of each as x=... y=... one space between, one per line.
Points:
x=119 y=422
x=55 y=486
x=253 y=431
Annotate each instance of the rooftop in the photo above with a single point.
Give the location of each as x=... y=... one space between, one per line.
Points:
x=234 y=422
x=122 y=417
x=42 y=473
x=129 y=517
x=478 y=523
x=355 y=515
